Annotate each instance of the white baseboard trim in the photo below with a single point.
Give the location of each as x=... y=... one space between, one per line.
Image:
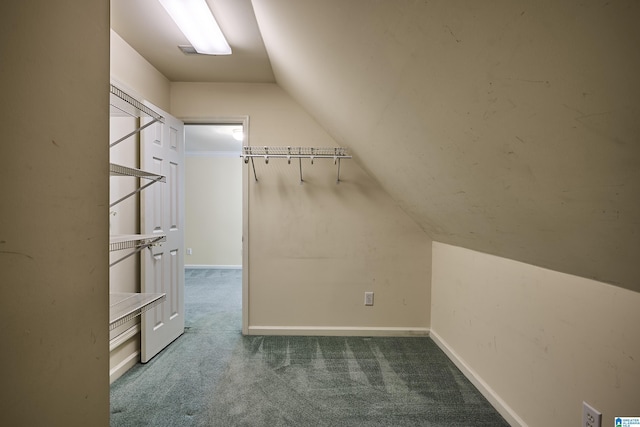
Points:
x=130 y=361
x=122 y=367
x=213 y=267
x=496 y=401
x=124 y=337
x=339 y=331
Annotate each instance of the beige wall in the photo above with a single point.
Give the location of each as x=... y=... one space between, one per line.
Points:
x=136 y=74
x=543 y=341
x=314 y=249
x=54 y=213
x=213 y=210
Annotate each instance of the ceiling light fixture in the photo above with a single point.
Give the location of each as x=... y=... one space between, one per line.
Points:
x=195 y=20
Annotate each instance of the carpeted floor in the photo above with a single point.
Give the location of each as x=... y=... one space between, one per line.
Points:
x=212 y=376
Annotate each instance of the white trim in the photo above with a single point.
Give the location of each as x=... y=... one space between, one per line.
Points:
x=246 y=178
x=221 y=120
x=122 y=367
x=494 y=399
x=339 y=331
x=212 y=267
x=131 y=360
x=124 y=337
x=229 y=154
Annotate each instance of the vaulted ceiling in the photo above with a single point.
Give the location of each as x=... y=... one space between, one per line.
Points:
x=511 y=128
x=147 y=27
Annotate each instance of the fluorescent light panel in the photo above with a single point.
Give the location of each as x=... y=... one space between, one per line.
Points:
x=195 y=20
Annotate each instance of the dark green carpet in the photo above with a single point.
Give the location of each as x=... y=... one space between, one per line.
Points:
x=212 y=376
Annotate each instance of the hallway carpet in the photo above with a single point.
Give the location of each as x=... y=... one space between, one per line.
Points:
x=212 y=376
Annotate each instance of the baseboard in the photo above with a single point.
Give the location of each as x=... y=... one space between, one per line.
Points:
x=124 y=337
x=212 y=267
x=122 y=367
x=355 y=331
x=496 y=401
x=129 y=361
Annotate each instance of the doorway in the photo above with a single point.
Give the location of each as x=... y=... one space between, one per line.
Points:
x=215 y=215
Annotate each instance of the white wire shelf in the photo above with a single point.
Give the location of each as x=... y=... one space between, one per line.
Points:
x=311 y=153
x=125 y=306
x=137 y=242
x=119 y=170
x=123 y=104
x=119 y=242
x=131 y=106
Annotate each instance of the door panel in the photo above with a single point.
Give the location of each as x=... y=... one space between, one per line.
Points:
x=157 y=285
x=175 y=273
x=162 y=212
x=174 y=189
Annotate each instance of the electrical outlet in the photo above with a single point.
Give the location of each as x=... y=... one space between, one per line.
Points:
x=368 y=298
x=591 y=417
x=189 y=251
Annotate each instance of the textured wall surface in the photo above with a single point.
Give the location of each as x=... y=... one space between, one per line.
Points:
x=315 y=248
x=54 y=183
x=505 y=127
x=213 y=210
x=539 y=338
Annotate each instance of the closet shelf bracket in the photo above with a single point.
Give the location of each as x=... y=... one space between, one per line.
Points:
x=133 y=132
x=137 y=242
x=124 y=104
x=118 y=170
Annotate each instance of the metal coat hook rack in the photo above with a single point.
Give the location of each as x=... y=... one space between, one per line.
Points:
x=289 y=153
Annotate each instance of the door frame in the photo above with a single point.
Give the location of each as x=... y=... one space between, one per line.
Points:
x=244 y=121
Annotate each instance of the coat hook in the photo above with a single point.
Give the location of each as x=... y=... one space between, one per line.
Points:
x=254 y=170
x=301 y=180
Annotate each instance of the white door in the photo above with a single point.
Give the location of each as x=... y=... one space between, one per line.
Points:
x=162 y=212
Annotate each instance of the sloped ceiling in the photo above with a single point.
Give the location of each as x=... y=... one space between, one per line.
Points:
x=147 y=27
x=507 y=127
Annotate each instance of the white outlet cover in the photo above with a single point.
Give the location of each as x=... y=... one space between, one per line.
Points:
x=591 y=417
x=368 y=298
